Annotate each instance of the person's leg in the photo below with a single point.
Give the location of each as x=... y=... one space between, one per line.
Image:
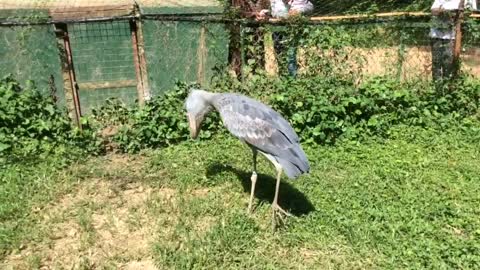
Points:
x=447 y=58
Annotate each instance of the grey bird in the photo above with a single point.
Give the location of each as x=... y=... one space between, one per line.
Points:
x=258 y=126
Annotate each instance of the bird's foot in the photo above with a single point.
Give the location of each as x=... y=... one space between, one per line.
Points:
x=281 y=210
x=280 y=213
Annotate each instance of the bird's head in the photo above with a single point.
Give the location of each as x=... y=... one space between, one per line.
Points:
x=197 y=105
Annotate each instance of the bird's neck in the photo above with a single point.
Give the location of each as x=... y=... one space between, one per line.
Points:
x=208 y=97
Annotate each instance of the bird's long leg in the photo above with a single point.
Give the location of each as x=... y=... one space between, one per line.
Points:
x=276 y=209
x=254 y=180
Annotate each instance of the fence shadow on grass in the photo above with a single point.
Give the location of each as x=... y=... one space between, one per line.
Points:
x=290 y=198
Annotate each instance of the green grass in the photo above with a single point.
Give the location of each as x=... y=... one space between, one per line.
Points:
x=409 y=202
x=24 y=191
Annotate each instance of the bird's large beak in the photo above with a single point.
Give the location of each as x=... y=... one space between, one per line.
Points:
x=192 y=122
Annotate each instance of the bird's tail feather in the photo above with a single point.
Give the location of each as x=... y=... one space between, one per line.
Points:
x=293 y=170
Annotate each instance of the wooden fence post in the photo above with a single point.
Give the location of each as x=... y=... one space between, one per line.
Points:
x=68 y=73
x=235 y=44
x=271 y=67
x=138 y=43
x=457 y=48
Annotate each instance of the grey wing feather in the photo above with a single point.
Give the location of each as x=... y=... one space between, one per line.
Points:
x=265 y=129
x=266 y=113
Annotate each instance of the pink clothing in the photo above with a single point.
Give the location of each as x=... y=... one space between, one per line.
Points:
x=280 y=10
x=302 y=6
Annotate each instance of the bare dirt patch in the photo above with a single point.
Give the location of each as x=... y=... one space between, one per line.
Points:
x=204 y=224
x=136 y=265
x=97 y=225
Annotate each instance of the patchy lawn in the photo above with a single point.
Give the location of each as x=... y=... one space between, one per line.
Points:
x=409 y=202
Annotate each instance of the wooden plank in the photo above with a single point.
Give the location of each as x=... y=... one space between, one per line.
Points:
x=92 y=8
x=90 y=12
x=375 y=15
x=107 y=85
x=364 y=16
x=87 y=15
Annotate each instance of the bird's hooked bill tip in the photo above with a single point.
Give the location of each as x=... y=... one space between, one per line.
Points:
x=192 y=123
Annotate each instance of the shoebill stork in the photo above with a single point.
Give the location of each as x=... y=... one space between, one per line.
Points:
x=258 y=126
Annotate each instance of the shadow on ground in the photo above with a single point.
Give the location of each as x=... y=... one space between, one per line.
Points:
x=290 y=198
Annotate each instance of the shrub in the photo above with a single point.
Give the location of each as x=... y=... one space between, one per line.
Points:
x=161 y=122
x=322 y=110
x=32 y=125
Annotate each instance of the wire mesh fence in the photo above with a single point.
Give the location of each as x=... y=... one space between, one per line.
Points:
x=354 y=50
x=31 y=54
x=104 y=62
x=400 y=48
x=172 y=48
x=107 y=52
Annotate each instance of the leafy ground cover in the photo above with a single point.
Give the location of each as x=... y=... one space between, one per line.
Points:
x=409 y=201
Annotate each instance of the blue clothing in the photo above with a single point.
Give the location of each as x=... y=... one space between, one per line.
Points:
x=280 y=47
